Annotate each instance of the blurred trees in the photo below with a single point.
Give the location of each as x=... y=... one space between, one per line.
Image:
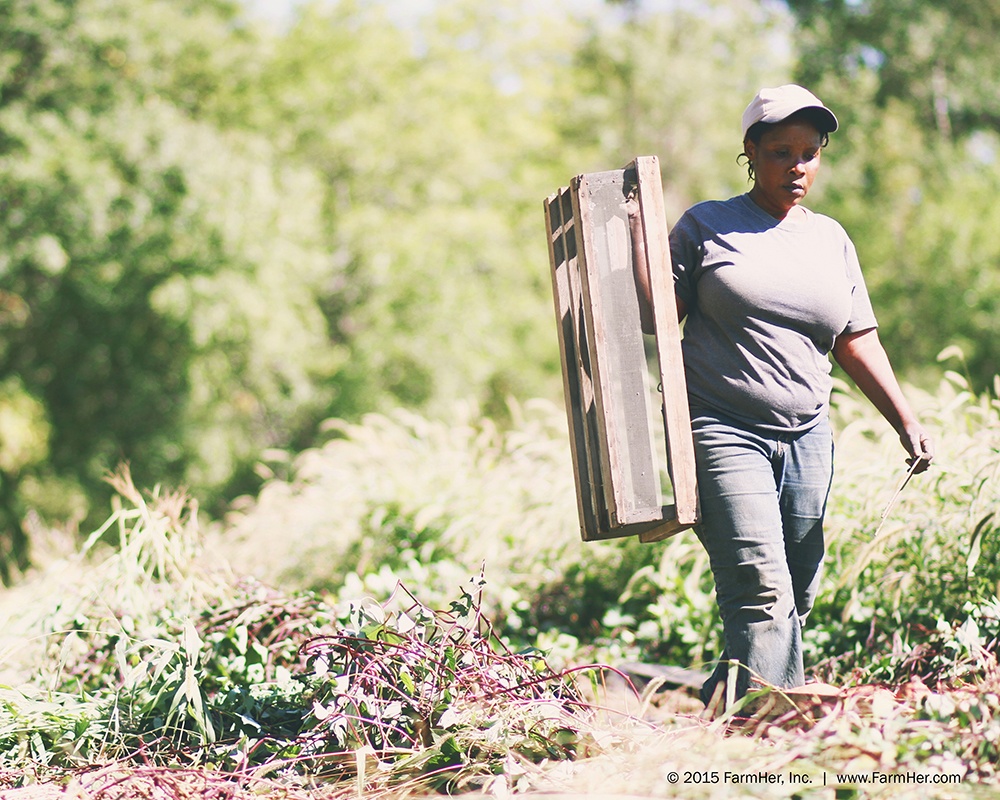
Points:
x=917 y=87
x=435 y=145
x=159 y=272
x=214 y=236
x=939 y=59
x=675 y=84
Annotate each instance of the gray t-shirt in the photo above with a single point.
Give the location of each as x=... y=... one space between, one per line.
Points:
x=765 y=299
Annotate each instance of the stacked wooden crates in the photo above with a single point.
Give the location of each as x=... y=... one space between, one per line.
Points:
x=602 y=228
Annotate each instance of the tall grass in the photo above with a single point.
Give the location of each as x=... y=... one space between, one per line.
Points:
x=401 y=497
x=164 y=645
x=153 y=655
x=433 y=503
x=933 y=568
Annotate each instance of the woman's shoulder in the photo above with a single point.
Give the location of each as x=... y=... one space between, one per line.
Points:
x=826 y=223
x=714 y=218
x=709 y=213
x=707 y=208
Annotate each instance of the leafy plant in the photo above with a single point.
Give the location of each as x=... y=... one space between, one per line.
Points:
x=194 y=667
x=160 y=655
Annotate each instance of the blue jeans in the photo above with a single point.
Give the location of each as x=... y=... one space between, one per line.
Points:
x=763 y=497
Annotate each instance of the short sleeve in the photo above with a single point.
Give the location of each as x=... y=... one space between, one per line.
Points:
x=686 y=252
x=862 y=314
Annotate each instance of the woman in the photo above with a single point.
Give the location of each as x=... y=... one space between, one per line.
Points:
x=769 y=290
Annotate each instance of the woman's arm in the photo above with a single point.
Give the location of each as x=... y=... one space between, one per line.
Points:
x=646 y=299
x=641 y=272
x=865 y=361
x=645 y=295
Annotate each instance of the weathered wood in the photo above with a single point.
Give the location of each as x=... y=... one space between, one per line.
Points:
x=676 y=412
x=617 y=354
x=577 y=384
x=595 y=249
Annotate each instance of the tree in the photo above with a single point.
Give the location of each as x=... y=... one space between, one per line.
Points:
x=436 y=145
x=160 y=276
x=939 y=59
x=914 y=166
x=674 y=83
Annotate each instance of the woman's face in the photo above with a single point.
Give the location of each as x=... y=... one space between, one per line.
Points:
x=785 y=163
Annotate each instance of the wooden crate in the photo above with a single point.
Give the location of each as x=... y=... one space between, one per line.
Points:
x=600 y=227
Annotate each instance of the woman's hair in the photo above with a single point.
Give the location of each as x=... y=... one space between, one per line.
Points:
x=756 y=132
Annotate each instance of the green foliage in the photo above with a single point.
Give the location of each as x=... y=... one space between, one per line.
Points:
x=40 y=728
x=436 y=689
x=426 y=503
x=24 y=443
x=159 y=654
x=429 y=502
x=937 y=59
x=668 y=608
x=914 y=168
x=215 y=235
x=931 y=575
x=161 y=275
x=435 y=145
x=923 y=227
x=195 y=246
x=667 y=83
x=150 y=658
x=24 y=430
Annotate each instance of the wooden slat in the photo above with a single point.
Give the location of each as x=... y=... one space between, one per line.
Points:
x=677 y=418
x=577 y=384
x=590 y=343
x=618 y=361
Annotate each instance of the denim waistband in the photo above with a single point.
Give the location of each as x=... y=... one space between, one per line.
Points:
x=764 y=431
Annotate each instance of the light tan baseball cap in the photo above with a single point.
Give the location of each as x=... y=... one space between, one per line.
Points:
x=774 y=105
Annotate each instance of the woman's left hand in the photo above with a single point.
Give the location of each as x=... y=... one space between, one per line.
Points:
x=863 y=358
x=918 y=443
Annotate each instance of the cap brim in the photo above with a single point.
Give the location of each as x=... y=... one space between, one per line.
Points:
x=820 y=112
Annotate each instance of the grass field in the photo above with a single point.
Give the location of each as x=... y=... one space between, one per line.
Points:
x=408 y=609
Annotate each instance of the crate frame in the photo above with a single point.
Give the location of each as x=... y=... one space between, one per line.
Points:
x=601 y=229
